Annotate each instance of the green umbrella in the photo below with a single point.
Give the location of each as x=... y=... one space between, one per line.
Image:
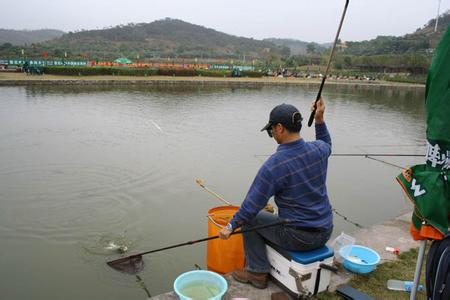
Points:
x=437 y=96
x=428 y=185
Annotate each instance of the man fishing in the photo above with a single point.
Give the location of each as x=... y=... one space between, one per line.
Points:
x=295 y=175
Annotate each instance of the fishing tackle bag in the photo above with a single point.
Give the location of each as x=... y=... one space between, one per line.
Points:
x=438 y=270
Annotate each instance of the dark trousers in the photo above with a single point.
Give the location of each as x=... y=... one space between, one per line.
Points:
x=285 y=236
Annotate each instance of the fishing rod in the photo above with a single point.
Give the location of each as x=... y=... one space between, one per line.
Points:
x=391 y=145
x=385 y=162
x=368 y=156
x=200 y=182
x=269 y=207
x=377 y=154
x=134 y=263
x=362 y=154
x=319 y=94
x=372 y=155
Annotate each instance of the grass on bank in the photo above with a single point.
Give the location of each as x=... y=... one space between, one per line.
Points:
x=375 y=284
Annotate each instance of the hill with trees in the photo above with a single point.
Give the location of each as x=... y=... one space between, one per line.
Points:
x=298 y=47
x=409 y=54
x=421 y=40
x=167 y=38
x=24 y=37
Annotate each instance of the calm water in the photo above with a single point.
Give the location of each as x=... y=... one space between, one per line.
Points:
x=81 y=167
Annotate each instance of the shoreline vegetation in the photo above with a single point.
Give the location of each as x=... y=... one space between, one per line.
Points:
x=374 y=284
x=12 y=79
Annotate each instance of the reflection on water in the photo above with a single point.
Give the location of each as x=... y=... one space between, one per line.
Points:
x=87 y=166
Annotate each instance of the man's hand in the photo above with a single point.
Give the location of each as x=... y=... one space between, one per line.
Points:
x=225 y=233
x=320 y=109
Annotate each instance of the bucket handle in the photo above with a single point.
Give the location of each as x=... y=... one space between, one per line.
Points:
x=226 y=215
x=214 y=222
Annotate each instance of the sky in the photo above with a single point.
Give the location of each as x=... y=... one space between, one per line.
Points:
x=307 y=20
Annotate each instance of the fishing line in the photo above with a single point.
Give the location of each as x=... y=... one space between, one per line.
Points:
x=143 y=286
x=385 y=162
x=376 y=159
x=377 y=154
x=258 y=156
x=334 y=210
x=390 y=146
x=347 y=219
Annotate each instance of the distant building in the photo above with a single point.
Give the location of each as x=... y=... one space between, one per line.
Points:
x=342 y=46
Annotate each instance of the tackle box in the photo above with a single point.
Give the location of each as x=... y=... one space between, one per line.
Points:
x=301 y=273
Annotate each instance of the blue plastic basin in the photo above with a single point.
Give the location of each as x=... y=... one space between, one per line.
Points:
x=209 y=278
x=359 y=259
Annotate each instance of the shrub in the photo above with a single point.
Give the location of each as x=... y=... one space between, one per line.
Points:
x=253 y=74
x=213 y=73
x=407 y=79
x=134 y=72
x=176 y=72
x=88 y=71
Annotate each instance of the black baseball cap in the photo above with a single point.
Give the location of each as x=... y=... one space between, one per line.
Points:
x=286 y=114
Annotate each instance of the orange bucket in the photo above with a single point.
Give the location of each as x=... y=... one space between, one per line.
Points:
x=223 y=256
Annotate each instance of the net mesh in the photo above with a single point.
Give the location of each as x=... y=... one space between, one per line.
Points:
x=130 y=265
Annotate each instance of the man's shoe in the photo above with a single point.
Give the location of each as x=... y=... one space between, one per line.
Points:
x=258 y=280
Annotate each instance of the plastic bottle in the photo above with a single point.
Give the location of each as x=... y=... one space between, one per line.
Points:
x=400 y=285
x=339 y=242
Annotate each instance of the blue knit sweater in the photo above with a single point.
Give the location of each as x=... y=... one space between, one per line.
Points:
x=295 y=174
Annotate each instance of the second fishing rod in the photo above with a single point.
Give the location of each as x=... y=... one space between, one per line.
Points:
x=269 y=207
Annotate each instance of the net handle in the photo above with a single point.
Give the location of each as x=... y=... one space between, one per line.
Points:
x=138 y=256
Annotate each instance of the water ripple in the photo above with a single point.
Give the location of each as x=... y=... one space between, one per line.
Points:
x=63 y=202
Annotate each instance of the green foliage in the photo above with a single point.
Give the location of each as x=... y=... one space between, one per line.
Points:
x=420 y=79
x=162 y=39
x=374 y=284
x=134 y=71
x=252 y=74
x=388 y=45
x=295 y=46
x=285 y=52
x=213 y=73
x=420 y=41
x=7 y=50
x=22 y=37
x=414 y=62
x=342 y=62
x=86 y=71
x=176 y=72
x=311 y=48
x=123 y=71
x=353 y=73
x=298 y=60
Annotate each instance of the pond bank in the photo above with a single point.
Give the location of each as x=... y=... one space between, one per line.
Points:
x=393 y=233
x=14 y=79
